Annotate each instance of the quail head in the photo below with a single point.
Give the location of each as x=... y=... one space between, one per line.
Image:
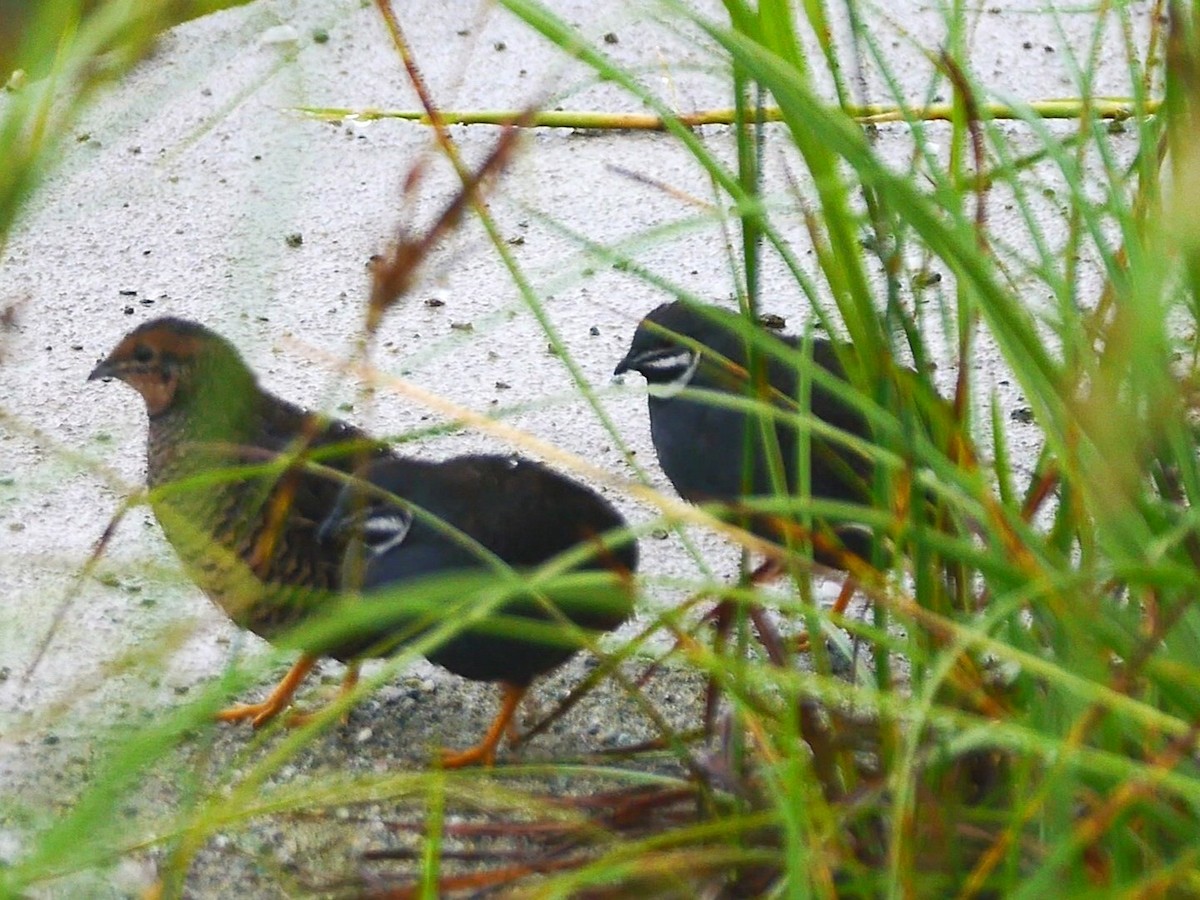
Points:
x=684 y=350
x=411 y=521
x=226 y=468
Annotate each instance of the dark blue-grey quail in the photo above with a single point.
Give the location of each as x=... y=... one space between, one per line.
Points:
x=684 y=350
x=523 y=515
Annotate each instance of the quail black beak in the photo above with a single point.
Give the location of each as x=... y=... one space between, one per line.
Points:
x=104 y=371
x=332 y=526
x=344 y=521
x=636 y=360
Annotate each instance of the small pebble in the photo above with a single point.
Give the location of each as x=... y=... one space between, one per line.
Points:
x=280 y=34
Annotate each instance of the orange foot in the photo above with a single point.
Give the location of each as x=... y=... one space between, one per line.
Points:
x=845 y=595
x=481 y=754
x=484 y=753
x=259 y=714
x=277 y=701
x=300 y=719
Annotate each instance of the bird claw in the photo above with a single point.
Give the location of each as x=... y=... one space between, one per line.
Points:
x=276 y=702
x=485 y=751
x=481 y=754
x=259 y=714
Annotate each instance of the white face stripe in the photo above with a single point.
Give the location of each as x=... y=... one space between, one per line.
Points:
x=384 y=531
x=666 y=390
x=680 y=359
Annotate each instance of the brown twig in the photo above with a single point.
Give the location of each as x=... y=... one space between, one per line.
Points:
x=393 y=275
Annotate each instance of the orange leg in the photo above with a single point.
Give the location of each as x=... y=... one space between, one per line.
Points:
x=719 y=615
x=261 y=713
x=849 y=586
x=349 y=680
x=769 y=571
x=772 y=569
x=485 y=751
x=722 y=616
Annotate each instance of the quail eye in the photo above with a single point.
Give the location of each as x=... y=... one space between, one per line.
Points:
x=143 y=354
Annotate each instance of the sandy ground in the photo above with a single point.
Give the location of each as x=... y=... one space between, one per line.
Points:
x=182 y=194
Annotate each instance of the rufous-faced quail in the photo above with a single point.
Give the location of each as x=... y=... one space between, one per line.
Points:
x=229 y=484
